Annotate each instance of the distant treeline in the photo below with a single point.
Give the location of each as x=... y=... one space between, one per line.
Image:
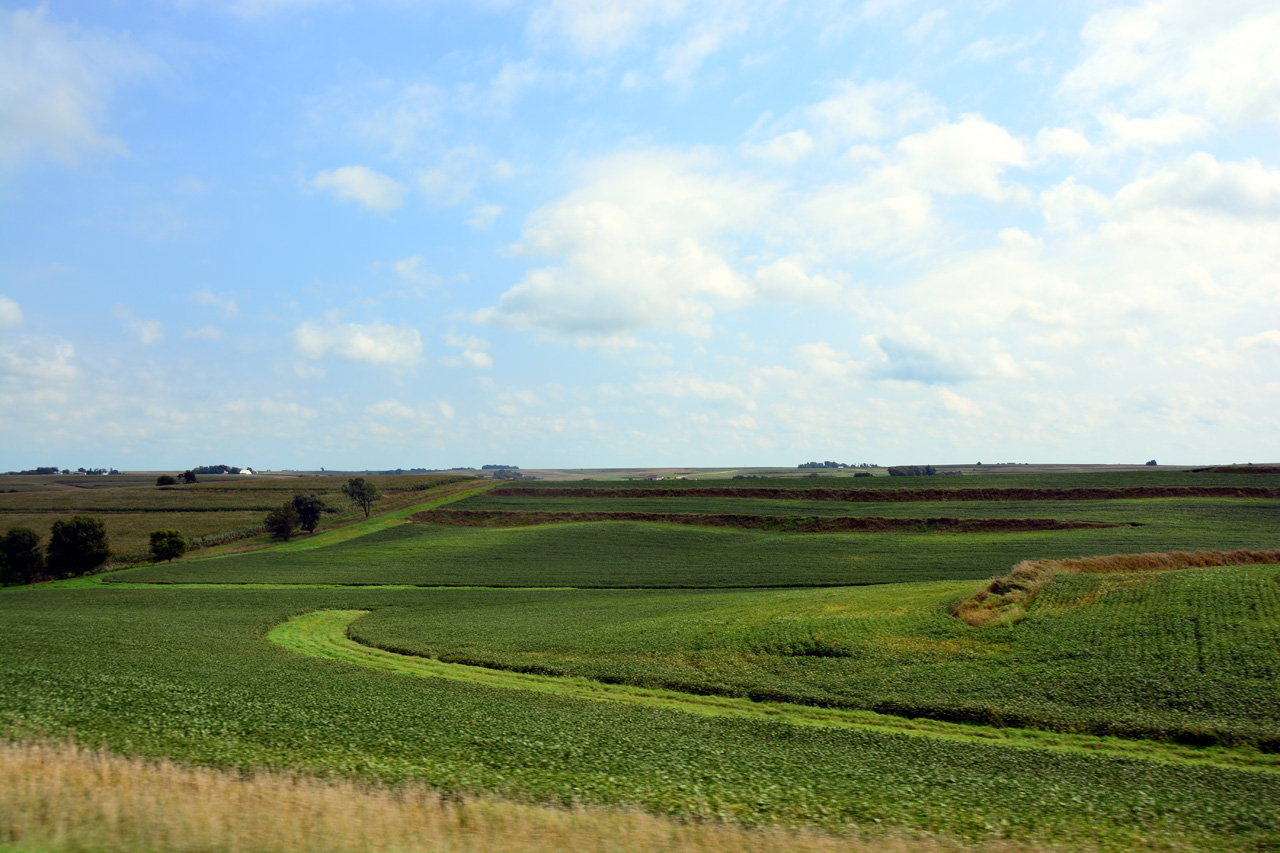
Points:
x=830 y=464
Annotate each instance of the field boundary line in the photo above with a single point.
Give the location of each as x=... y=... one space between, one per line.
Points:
x=323 y=634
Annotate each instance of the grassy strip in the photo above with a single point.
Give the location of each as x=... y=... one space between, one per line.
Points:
x=323 y=634
x=1004 y=601
x=779 y=523
x=394 y=518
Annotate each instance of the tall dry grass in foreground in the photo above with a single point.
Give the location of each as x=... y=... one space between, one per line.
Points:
x=57 y=798
x=1004 y=601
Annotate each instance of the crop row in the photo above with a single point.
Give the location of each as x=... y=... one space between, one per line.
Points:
x=186 y=674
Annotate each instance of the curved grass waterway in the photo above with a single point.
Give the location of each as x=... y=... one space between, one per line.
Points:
x=323 y=634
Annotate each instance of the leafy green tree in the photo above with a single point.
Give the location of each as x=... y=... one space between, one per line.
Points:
x=362 y=493
x=166 y=480
x=77 y=546
x=309 y=508
x=167 y=545
x=21 y=559
x=282 y=521
x=187 y=478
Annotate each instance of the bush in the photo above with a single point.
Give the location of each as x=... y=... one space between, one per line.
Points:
x=166 y=480
x=282 y=521
x=167 y=545
x=77 y=546
x=309 y=509
x=21 y=560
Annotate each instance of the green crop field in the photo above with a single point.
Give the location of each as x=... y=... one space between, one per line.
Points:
x=766 y=678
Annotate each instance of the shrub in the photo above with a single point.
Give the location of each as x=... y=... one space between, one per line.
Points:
x=282 y=521
x=167 y=545
x=21 y=559
x=166 y=480
x=77 y=546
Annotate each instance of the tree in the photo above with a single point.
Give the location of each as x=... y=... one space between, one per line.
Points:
x=21 y=559
x=1151 y=462
x=309 y=508
x=167 y=545
x=77 y=546
x=166 y=480
x=362 y=493
x=282 y=521
x=187 y=478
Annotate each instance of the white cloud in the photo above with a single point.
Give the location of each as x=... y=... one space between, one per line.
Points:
x=1218 y=60
x=473 y=352
x=372 y=343
x=680 y=385
x=957 y=405
x=58 y=82
x=969 y=156
x=1167 y=128
x=10 y=313
x=788 y=278
x=147 y=332
x=371 y=188
x=784 y=148
x=871 y=110
x=987 y=49
x=637 y=247
x=484 y=215
x=1243 y=189
x=599 y=27
x=38 y=363
x=225 y=304
x=1270 y=339
x=208 y=333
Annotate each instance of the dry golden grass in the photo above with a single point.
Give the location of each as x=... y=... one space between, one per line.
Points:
x=1004 y=601
x=64 y=798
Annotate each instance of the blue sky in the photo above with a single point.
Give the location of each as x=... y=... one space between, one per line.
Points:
x=577 y=233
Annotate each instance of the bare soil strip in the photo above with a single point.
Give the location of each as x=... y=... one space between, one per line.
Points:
x=792 y=524
x=323 y=634
x=895 y=495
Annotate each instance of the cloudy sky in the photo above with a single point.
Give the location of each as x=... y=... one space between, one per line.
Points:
x=588 y=233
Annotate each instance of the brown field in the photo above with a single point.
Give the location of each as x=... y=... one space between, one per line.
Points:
x=131 y=510
x=59 y=797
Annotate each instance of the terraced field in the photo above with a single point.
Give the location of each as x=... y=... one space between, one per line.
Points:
x=1126 y=711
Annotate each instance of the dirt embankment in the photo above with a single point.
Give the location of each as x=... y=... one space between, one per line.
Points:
x=793 y=524
x=898 y=495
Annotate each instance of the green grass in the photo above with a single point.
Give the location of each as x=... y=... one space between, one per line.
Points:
x=635 y=554
x=1187 y=655
x=188 y=674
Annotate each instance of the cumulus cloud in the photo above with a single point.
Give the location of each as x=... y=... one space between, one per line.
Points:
x=369 y=187
x=1215 y=59
x=598 y=27
x=10 y=313
x=783 y=148
x=473 y=352
x=969 y=156
x=638 y=246
x=789 y=278
x=58 y=83
x=372 y=343
x=870 y=110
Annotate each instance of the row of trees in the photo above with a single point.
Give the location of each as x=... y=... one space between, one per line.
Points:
x=304 y=511
x=186 y=478
x=76 y=547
